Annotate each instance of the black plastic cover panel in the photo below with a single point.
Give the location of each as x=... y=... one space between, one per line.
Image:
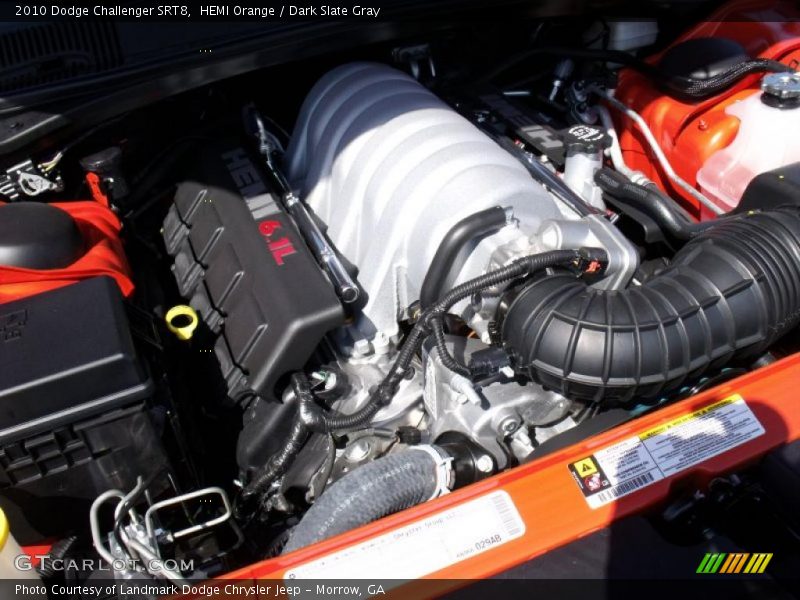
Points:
x=66 y=354
x=34 y=235
x=245 y=269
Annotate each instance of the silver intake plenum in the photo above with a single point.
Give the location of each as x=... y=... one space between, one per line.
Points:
x=390 y=168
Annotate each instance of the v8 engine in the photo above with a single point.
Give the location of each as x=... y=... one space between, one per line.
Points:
x=439 y=224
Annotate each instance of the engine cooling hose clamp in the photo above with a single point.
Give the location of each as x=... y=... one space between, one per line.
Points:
x=445 y=476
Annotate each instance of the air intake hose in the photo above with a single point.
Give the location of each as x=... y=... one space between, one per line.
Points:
x=728 y=294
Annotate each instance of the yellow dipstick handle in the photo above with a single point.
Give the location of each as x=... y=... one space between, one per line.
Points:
x=182 y=320
x=4 y=530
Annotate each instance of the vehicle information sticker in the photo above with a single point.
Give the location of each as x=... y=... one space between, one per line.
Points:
x=425 y=546
x=672 y=447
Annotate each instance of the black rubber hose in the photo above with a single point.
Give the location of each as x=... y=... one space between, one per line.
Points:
x=650 y=200
x=728 y=294
x=682 y=87
x=447 y=359
x=705 y=88
x=302 y=425
x=615 y=56
x=385 y=486
x=517 y=268
x=58 y=552
x=454 y=250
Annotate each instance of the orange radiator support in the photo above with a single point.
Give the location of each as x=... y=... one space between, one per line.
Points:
x=691 y=132
x=549 y=500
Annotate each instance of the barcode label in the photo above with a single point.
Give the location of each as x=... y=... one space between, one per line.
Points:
x=621 y=489
x=669 y=448
x=508 y=514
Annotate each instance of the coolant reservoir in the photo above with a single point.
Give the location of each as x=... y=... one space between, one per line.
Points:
x=767 y=139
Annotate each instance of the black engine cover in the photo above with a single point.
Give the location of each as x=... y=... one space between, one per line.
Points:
x=244 y=267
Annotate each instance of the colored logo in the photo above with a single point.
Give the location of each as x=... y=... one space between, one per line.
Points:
x=585 y=467
x=731 y=563
x=593 y=482
x=589 y=475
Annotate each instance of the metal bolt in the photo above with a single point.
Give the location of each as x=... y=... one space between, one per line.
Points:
x=509 y=425
x=381 y=343
x=358 y=451
x=484 y=464
x=362 y=347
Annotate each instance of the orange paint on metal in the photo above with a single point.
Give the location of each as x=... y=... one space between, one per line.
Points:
x=689 y=133
x=36 y=551
x=104 y=255
x=548 y=499
x=96 y=188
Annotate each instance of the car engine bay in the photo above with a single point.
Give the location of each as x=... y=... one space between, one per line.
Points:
x=223 y=342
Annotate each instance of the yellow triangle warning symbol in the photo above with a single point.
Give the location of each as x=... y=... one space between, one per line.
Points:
x=585 y=467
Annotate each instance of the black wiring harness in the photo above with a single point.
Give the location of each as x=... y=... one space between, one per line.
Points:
x=310 y=418
x=686 y=88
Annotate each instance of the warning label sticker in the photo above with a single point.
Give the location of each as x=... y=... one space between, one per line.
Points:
x=425 y=546
x=671 y=447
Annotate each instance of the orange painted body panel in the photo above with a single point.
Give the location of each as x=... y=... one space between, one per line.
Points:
x=689 y=133
x=548 y=499
x=104 y=255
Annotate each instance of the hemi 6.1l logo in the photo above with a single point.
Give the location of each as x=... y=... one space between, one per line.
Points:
x=279 y=245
